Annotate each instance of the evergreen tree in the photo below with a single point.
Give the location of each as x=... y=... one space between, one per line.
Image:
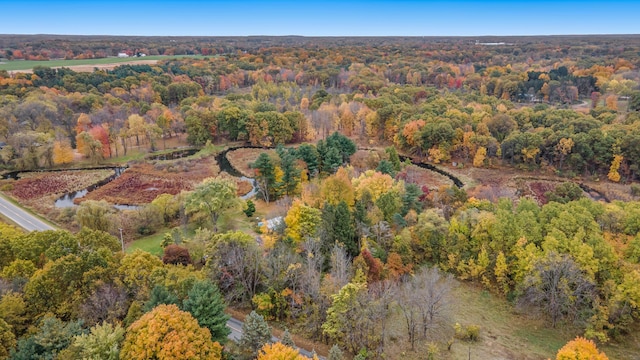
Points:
x=345 y=146
x=385 y=167
x=290 y=173
x=309 y=154
x=255 y=333
x=394 y=159
x=205 y=303
x=338 y=226
x=159 y=295
x=335 y=353
x=266 y=177
x=287 y=340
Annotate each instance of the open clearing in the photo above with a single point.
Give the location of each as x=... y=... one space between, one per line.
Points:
x=85 y=65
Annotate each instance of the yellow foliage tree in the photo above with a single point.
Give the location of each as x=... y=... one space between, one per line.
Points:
x=481 y=154
x=62 y=153
x=614 y=175
x=376 y=184
x=302 y=221
x=338 y=188
x=279 y=351
x=168 y=333
x=580 y=349
x=437 y=155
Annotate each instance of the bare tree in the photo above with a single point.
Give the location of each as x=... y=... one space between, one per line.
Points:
x=107 y=303
x=558 y=287
x=340 y=266
x=425 y=302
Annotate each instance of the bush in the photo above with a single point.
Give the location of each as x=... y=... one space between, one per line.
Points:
x=467 y=333
x=251 y=208
x=635 y=189
x=174 y=254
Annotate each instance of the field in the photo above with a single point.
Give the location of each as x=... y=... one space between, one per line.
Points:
x=241 y=159
x=143 y=182
x=85 y=65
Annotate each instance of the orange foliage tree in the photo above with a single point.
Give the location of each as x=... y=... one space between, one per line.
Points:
x=62 y=153
x=168 y=333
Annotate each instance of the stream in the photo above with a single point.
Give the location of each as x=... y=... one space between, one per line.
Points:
x=67 y=199
x=226 y=166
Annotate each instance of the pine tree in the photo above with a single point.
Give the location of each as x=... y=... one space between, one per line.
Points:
x=335 y=353
x=159 y=295
x=255 y=333
x=205 y=303
x=265 y=176
x=287 y=340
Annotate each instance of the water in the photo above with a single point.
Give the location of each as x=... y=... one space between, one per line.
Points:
x=226 y=166
x=67 y=199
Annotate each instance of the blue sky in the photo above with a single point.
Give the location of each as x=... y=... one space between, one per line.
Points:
x=319 y=18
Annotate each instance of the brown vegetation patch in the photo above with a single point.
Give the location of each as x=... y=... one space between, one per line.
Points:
x=244 y=187
x=241 y=159
x=424 y=177
x=142 y=183
x=32 y=186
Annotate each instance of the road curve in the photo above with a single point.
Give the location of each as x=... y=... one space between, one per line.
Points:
x=21 y=217
x=236 y=333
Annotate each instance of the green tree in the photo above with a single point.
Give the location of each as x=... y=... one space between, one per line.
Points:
x=51 y=337
x=102 y=342
x=206 y=305
x=565 y=192
x=7 y=340
x=255 y=334
x=287 y=340
x=386 y=167
x=265 y=176
x=338 y=227
x=214 y=197
x=94 y=215
x=160 y=295
x=309 y=154
x=14 y=310
x=290 y=173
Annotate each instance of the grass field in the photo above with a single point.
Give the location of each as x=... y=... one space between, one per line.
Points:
x=150 y=244
x=15 y=65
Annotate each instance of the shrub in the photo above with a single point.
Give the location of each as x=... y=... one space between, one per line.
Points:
x=174 y=254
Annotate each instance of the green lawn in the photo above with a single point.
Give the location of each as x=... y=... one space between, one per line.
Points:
x=149 y=244
x=28 y=64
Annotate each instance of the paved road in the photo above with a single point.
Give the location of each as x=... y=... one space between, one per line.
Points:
x=22 y=218
x=236 y=333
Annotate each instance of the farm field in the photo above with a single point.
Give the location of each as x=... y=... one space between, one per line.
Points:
x=84 y=65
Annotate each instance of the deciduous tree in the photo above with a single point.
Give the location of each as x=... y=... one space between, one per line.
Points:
x=168 y=333
x=214 y=197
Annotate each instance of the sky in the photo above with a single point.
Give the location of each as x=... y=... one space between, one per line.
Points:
x=319 y=18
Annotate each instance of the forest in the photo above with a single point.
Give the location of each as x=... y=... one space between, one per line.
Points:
x=358 y=198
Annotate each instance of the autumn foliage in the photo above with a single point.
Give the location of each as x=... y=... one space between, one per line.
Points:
x=168 y=333
x=278 y=351
x=580 y=349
